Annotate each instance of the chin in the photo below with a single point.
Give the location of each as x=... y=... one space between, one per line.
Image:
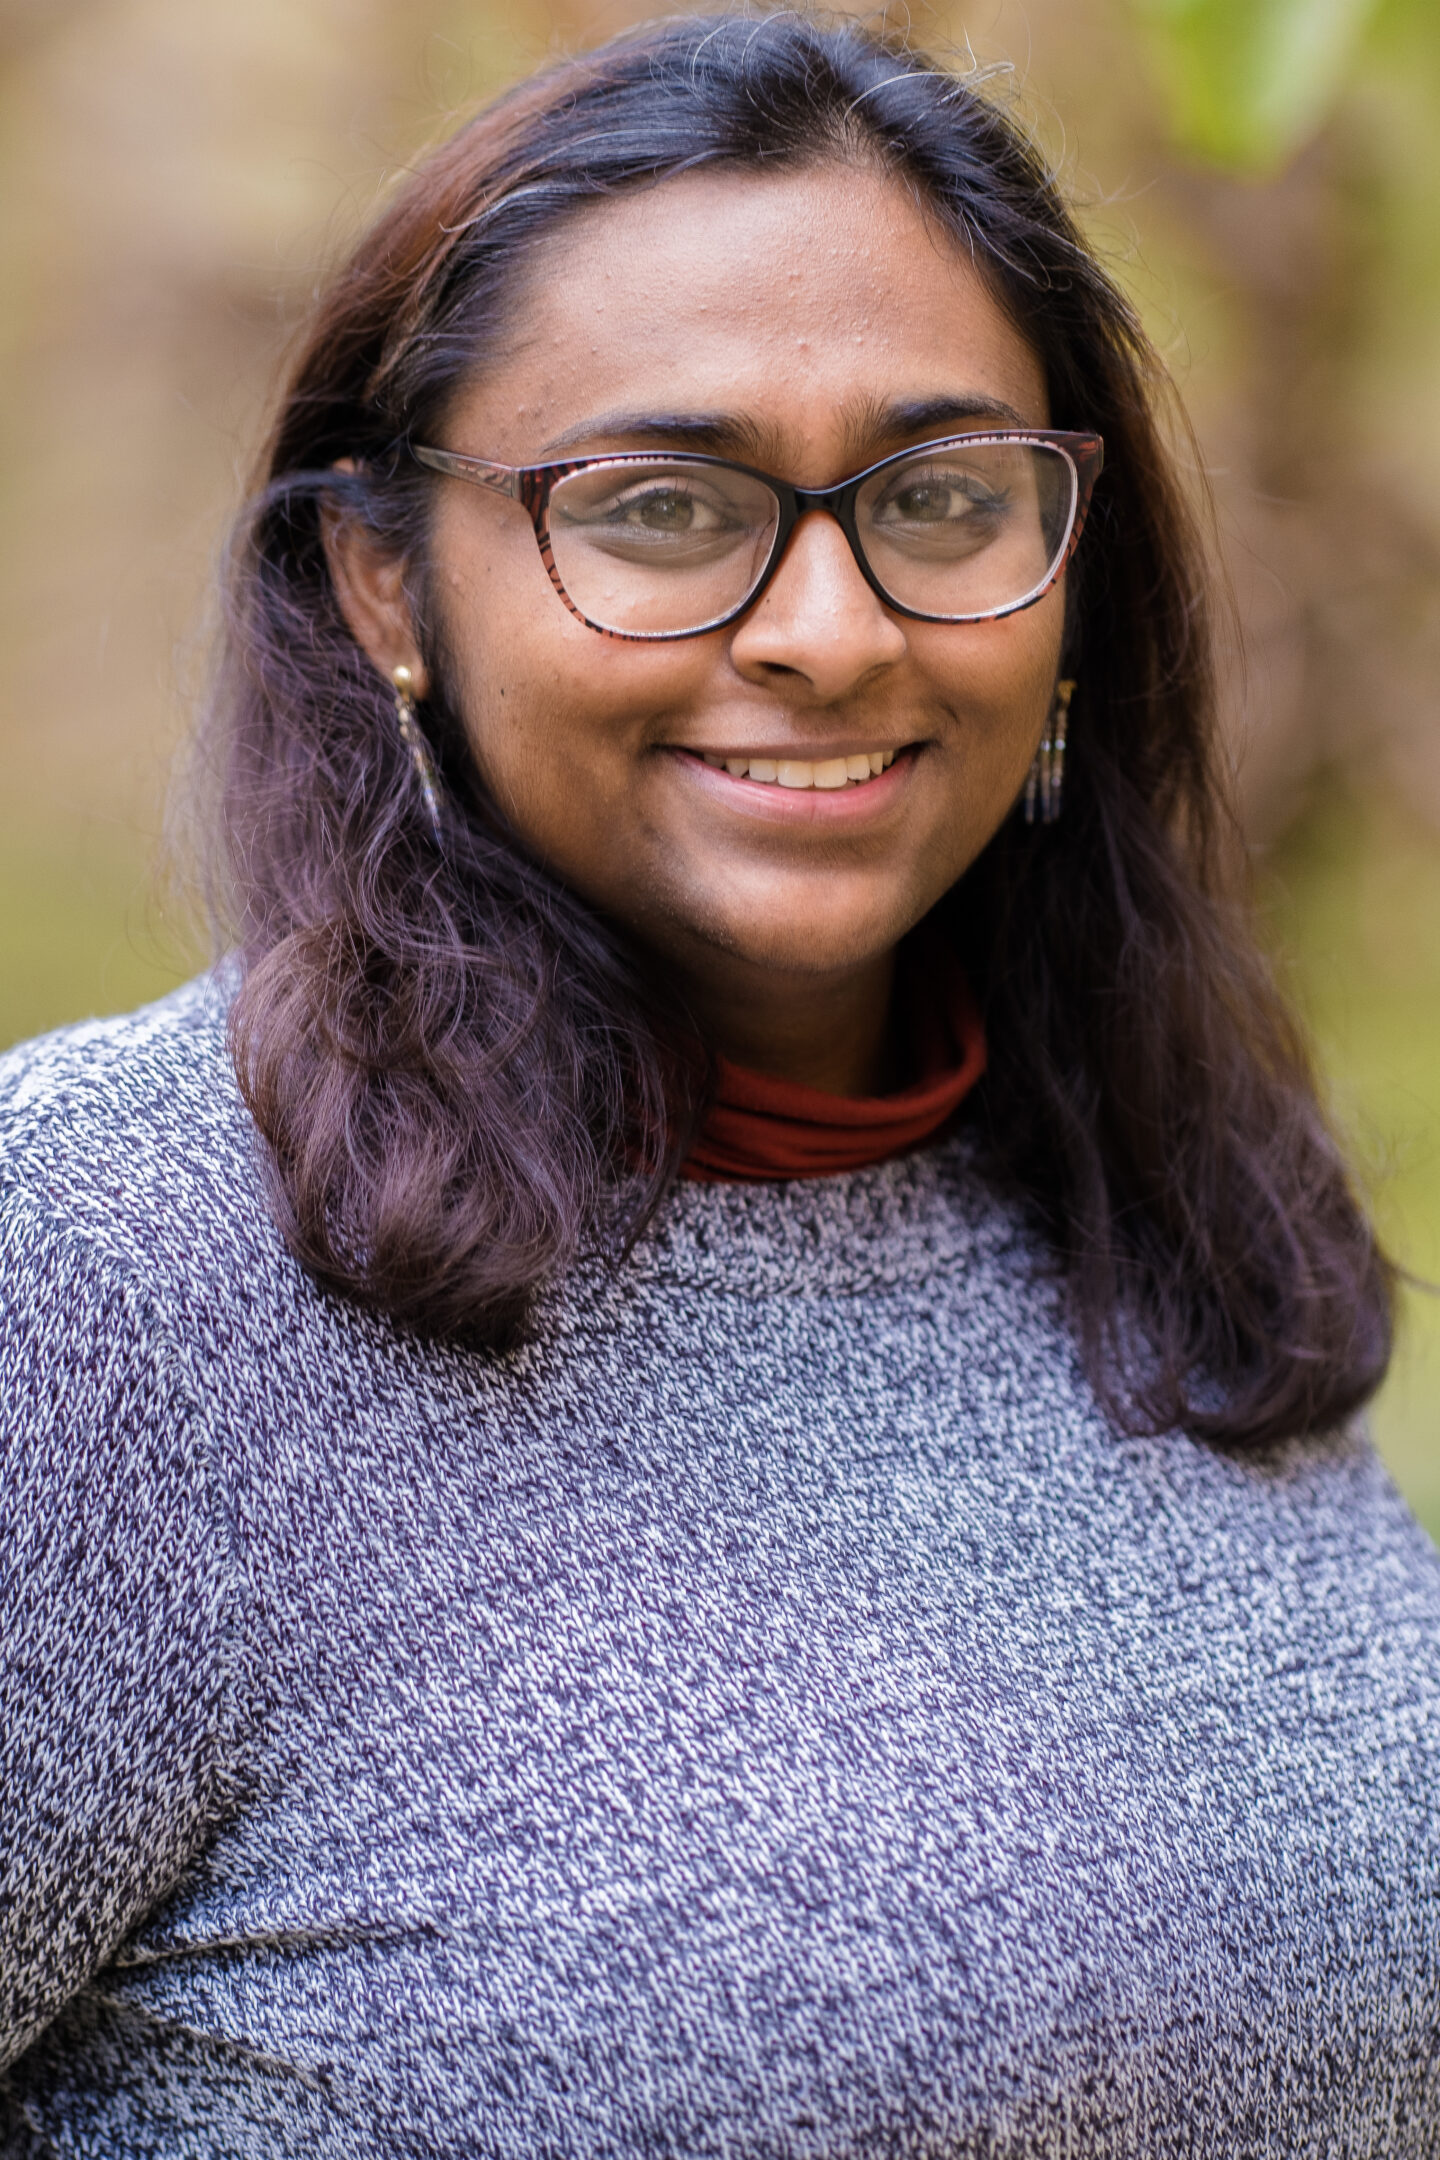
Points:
x=803 y=938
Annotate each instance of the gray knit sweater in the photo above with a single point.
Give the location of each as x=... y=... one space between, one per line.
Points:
x=771 y=1714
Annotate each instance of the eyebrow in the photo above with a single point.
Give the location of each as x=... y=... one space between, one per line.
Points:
x=869 y=429
x=911 y=417
x=718 y=433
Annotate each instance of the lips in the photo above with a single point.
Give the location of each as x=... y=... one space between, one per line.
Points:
x=849 y=772
x=800 y=799
x=854 y=770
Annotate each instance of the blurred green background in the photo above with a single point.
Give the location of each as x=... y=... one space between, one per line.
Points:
x=1264 y=176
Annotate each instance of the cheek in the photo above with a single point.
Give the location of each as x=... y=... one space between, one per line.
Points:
x=556 y=715
x=507 y=659
x=998 y=678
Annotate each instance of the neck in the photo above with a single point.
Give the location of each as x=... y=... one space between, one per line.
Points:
x=829 y=1032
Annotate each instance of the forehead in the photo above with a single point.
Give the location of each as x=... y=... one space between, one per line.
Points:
x=803 y=305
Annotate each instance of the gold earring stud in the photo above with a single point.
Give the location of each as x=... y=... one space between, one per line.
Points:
x=412 y=735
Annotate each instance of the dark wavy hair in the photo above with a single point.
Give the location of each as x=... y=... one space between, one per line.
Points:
x=465 y=1076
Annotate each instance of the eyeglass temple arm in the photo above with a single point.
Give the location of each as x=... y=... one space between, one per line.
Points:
x=503 y=479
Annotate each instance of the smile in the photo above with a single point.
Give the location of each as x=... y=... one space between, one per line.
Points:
x=818 y=792
x=836 y=772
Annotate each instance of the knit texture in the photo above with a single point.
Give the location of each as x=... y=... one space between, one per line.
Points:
x=769 y=1714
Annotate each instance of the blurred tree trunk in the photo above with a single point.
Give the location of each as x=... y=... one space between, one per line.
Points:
x=1279 y=169
x=1336 y=570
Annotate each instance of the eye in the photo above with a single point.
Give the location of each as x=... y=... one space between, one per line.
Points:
x=922 y=501
x=939 y=498
x=665 y=508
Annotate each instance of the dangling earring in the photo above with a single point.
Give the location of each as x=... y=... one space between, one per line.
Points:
x=415 y=743
x=1045 y=782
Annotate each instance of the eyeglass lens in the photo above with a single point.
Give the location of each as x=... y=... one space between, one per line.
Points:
x=958 y=530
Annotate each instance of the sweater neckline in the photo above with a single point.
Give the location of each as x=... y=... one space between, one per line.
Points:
x=929 y=1214
x=761 y=1129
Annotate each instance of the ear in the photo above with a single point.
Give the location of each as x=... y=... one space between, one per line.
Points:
x=370 y=587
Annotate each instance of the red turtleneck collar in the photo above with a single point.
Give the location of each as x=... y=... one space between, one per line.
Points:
x=761 y=1128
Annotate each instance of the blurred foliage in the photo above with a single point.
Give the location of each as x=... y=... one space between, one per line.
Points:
x=1248 y=81
x=1350 y=900
x=1318 y=121
x=82 y=928
x=1264 y=175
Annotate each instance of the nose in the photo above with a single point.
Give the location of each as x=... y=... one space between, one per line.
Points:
x=818 y=625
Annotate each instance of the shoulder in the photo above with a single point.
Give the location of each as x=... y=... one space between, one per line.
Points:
x=129 y=1137
x=126 y=1175
x=117 y=1573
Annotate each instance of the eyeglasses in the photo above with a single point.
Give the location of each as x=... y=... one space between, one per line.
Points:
x=643 y=546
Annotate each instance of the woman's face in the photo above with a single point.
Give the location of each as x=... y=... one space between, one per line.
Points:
x=808 y=324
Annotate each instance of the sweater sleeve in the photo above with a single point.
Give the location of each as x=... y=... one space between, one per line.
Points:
x=114 y=1615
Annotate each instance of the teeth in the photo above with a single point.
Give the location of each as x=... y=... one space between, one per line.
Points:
x=835 y=772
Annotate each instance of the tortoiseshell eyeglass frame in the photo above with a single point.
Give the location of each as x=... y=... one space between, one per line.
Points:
x=531 y=486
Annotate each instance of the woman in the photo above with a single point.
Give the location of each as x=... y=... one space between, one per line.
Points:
x=681 y=1463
